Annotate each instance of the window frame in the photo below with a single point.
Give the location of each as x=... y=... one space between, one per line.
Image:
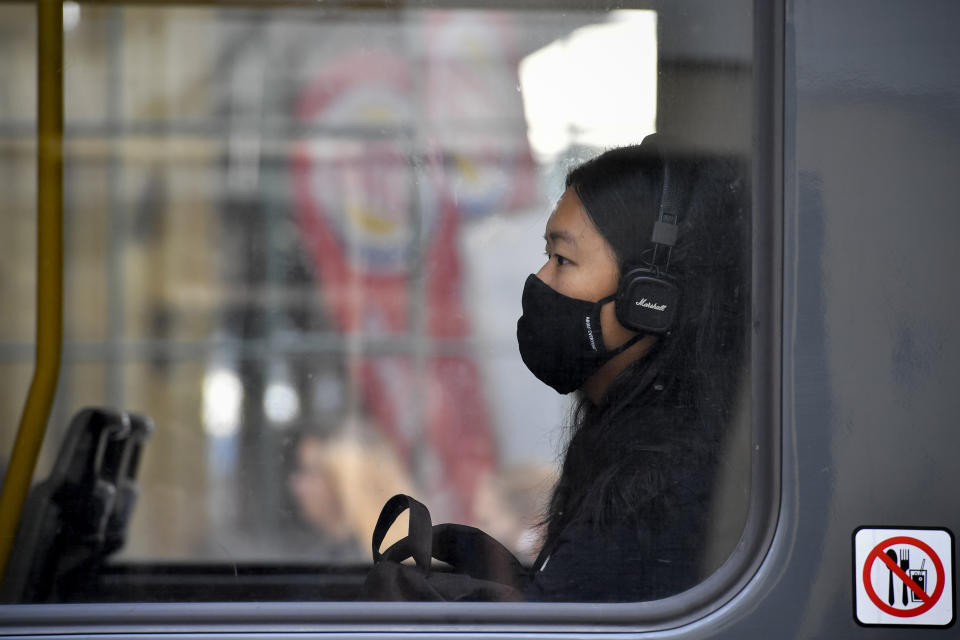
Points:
x=731 y=578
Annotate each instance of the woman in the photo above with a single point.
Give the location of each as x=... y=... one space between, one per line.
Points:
x=639 y=234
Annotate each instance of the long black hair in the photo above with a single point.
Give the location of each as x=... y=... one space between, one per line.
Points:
x=652 y=441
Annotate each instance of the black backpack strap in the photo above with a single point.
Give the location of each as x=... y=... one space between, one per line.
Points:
x=417 y=544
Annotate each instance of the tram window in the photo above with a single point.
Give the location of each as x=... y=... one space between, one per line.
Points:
x=297 y=239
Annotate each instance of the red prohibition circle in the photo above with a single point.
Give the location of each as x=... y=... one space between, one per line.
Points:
x=875 y=555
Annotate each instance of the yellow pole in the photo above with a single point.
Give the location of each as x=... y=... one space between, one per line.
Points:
x=49 y=337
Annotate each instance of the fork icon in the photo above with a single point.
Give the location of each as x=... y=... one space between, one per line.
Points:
x=905 y=565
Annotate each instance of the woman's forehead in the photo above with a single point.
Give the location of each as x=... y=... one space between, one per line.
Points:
x=569 y=222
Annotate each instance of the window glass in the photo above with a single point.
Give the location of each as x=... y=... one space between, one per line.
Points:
x=297 y=239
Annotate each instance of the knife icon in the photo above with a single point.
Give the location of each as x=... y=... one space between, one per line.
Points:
x=893 y=556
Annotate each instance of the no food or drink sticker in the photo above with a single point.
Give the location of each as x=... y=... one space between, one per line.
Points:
x=903 y=577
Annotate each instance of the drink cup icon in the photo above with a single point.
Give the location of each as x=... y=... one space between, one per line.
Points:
x=919 y=576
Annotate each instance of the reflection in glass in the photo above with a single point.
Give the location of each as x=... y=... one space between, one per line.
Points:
x=297 y=240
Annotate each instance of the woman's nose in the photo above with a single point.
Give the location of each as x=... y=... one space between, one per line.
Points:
x=545 y=273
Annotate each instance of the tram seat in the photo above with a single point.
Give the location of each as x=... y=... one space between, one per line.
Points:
x=78 y=515
x=121 y=465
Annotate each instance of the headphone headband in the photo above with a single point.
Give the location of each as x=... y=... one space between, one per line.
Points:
x=666 y=227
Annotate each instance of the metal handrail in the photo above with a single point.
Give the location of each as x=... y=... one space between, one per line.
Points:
x=49 y=312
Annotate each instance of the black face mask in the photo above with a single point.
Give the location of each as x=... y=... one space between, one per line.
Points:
x=560 y=337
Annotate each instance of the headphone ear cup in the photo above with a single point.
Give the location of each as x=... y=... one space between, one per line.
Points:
x=647 y=301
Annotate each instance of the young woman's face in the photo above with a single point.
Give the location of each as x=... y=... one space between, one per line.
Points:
x=581 y=263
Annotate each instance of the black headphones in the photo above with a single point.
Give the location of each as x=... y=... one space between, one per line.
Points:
x=647 y=296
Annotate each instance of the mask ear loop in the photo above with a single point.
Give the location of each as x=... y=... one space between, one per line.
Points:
x=630 y=341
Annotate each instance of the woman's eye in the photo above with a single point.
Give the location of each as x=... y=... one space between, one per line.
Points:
x=560 y=259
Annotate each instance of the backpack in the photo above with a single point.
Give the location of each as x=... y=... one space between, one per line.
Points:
x=479 y=568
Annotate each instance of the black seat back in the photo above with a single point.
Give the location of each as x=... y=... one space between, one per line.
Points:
x=78 y=515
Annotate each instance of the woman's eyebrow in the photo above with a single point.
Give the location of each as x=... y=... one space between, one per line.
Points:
x=554 y=236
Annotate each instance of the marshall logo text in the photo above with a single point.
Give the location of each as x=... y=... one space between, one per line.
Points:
x=650 y=305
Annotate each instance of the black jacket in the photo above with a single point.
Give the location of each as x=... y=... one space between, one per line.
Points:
x=625 y=561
